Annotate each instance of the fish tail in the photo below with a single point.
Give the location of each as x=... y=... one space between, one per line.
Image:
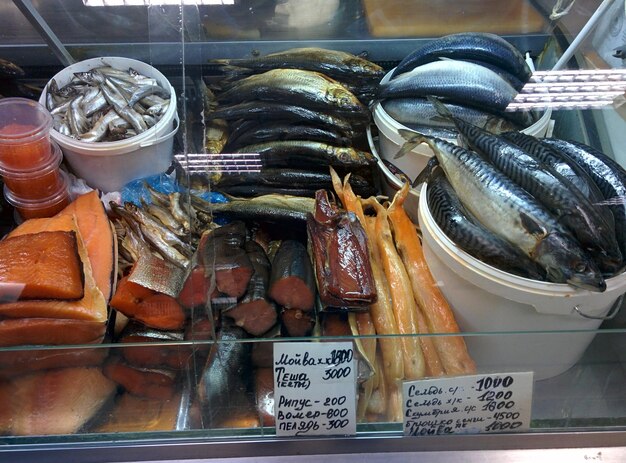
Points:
x=440 y=107
x=412 y=138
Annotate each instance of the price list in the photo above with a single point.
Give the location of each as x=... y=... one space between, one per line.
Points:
x=314 y=388
x=468 y=404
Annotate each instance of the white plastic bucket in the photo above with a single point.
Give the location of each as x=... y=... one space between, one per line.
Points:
x=486 y=299
x=414 y=162
x=108 y=166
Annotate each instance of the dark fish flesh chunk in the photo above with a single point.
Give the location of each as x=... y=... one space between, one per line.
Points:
x=292 y=282
x=340 y=256
x=254 y=312
x=224 y=256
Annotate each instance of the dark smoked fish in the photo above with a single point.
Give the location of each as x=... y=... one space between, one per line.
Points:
x=459 y=225
x=272 y=207
x=485 y=47
x=278 y=131
x=513 y=214
x=336 y=64
x=303 y=153
x=265 y=111
x=306 y=88
x=340 y=256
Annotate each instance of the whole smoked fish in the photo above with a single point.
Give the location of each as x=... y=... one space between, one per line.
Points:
x=340 y=255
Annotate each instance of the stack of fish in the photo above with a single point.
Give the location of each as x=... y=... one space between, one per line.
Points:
x=477 y=74
x=297 y=109
x=557 y=206
x=106 y=104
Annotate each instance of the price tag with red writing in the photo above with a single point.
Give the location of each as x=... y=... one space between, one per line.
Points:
x=314 y=388
x=468 y=404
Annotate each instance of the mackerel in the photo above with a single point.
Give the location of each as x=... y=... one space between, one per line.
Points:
x=607 y=174
x=475 y=239
x=568 y=205
x=513 y=214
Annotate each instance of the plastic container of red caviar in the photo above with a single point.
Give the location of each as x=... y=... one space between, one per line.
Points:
x=43 y=207
x=24 y=134
x=37 y=183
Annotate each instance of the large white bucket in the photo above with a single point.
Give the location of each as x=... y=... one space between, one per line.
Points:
x=108 y=166
x=412 y=163
x=486 y=299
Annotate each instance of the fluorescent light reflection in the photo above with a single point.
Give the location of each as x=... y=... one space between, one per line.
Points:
x=571 y=89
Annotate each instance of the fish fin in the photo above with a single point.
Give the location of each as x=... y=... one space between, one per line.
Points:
x=532 y=226
x=440 y=107
x=412 y=138
x=407 y=147
x=427 y=172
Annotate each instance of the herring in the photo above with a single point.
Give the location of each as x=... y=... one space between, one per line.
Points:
x=458 y=81
x=489 y=48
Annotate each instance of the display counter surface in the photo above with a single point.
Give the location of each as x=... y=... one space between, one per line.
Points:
x=581 y=447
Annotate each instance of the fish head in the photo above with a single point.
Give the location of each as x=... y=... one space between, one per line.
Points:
x=568 y=263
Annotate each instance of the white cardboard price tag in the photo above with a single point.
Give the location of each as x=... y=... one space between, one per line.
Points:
x=468 y=404
x=314 y=388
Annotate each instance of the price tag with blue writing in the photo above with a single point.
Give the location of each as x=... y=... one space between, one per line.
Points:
x=486 y=403
x=314 y=388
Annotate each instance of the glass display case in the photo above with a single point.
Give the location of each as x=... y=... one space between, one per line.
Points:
x=149 y=333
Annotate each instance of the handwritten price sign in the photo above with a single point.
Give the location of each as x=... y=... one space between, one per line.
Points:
x=468 y=404
x=314 y=388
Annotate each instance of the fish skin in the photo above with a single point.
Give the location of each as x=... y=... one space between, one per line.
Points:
x=510 y=212
x=464 y=230
x=457 y=81
x=281 y=131
x=336 y=64
x=278 y=111
x=572 y=173
x=273 y=207
x=485 y=47
x=10 y=69
x=569 y=206
x=308 y=153
x=306 y=88
x=421 y=111
x=608 y=175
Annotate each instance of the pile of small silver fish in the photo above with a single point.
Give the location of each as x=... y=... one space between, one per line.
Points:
x=106 y=104
x=534 y=195
x=477 y=74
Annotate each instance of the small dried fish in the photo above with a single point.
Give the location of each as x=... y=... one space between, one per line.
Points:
x=84 y=104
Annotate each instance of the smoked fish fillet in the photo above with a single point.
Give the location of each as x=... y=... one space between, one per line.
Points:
x=58 y=401
x=47 y=264
x=97 y=233
x=91 y=307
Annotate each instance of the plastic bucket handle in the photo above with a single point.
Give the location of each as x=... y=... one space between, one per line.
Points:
x=611 y=315
x=155 y=140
